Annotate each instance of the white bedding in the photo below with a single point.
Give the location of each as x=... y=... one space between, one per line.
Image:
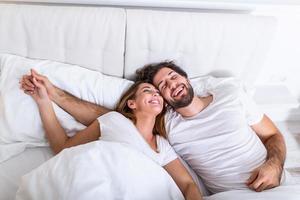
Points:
x=20 y=123
x=291 y=192
x=13 y=169
x=99 y=170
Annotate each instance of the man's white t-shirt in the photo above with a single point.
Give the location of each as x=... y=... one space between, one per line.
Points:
x=218 y=143
x=117 y=128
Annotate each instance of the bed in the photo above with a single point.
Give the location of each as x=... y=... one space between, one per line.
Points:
x=115 y=41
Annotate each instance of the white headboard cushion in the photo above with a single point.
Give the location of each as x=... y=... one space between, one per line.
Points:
x=92 y=37
x=202 y=43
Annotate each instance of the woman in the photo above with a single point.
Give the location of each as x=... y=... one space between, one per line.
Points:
x=142 y=107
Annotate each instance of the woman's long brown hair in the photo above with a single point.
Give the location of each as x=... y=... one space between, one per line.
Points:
x=122 y=107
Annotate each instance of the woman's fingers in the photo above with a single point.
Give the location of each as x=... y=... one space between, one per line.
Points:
x=37 y=84
x=37 y=75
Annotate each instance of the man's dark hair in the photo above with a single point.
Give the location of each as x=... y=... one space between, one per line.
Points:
x=148 y=72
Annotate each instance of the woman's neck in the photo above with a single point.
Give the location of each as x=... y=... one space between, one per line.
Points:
x=145 y=125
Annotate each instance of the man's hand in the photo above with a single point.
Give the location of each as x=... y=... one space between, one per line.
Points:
x=28 y=85
x=265 y=177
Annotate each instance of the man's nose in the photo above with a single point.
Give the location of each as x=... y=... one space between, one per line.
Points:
x=171 y=84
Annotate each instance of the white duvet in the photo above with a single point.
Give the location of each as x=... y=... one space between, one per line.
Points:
x=99 y=170
x=291 y=192
x=110 y=171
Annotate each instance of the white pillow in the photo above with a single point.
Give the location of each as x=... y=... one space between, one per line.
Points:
x=20 y=123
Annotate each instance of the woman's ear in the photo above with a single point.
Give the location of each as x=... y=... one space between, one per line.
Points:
x=131 y=104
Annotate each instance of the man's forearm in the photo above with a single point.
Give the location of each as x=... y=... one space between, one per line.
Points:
x=276 y=149
x=83 y=111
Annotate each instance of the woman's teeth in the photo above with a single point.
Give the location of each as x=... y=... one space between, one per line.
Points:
x=154 y=101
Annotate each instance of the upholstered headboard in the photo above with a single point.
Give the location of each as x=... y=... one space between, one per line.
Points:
x=92 y=37
x=117 y=41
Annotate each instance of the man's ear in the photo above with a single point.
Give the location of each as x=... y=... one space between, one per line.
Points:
x=131 y=104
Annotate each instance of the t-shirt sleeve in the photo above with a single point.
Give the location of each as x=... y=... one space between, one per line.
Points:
x=117 y=128
x=252 y=113
x=167 y=151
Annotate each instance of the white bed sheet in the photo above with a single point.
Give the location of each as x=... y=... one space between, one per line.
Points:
x=12 y=170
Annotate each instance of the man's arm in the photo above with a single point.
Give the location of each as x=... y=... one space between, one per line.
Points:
x=269 y=174
x=83 y=111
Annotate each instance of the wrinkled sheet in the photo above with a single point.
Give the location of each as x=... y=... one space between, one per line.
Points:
x=288 y=192
x=99 y=170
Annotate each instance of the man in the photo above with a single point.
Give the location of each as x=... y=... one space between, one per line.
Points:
x=210 y=133
x=222 y=136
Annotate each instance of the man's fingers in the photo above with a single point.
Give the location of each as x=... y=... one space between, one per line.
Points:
x=26 y=80
x=28 y=83
x=23 y=77
x=28 y=92
x=252 y=177
x=256 y=184
x=25 y=87
x=262 y=187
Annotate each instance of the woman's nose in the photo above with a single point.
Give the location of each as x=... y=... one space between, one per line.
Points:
x=155 y=93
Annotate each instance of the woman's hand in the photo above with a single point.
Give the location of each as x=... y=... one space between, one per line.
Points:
x=28 y=86
x=39 y=92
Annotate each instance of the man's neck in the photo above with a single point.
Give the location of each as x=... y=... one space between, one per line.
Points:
x=196 y=106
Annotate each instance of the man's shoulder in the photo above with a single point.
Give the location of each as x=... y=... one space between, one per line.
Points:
x=171 y=114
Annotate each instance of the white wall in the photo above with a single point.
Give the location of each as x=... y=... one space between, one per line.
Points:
x=282 y=65
x=283 y=62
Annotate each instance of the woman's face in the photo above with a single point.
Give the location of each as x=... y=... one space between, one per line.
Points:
x=147 y=99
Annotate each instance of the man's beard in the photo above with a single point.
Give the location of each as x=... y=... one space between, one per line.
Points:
x=184 y=101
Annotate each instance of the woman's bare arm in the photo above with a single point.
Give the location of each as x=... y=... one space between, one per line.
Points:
x=55 y=133
x=57 y=136
x=183 y=179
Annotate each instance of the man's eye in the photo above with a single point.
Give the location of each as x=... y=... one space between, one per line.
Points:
x=174 y=77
